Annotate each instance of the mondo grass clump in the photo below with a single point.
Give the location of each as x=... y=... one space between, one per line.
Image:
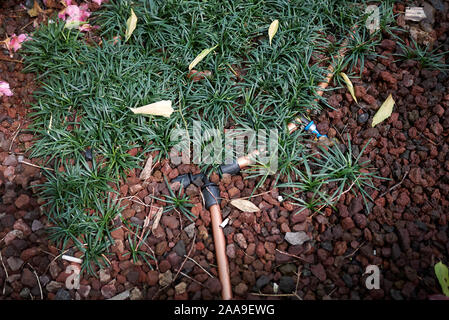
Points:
x=82 y=111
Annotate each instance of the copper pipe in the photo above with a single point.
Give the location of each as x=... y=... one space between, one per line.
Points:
x=245 y=161
x=220 y=252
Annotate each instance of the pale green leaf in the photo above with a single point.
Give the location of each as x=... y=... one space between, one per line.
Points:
x=349 y=85
x=274 y=26
x=200 y=57
x=244 y=205
x=161 y=108
x=384 y=111
x=130 y=25
x=74 y=24
x=442 y=274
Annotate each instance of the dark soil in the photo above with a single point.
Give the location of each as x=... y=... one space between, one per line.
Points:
x=405 y=234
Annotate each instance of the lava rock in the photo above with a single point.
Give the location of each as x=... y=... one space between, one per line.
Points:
x=287 y=284
x=214 y=285
x=28 y=278
x=318 y=271
x=296 y=238
x=363 y=118
x=170 y=222
x=262 y=281
x=180 y=248
x=14 y=263
x=230 y=251
x=241 y=289
x=63 y=294
x=190 y=230
x=241 y=241
x=36 y=225
x=25 y=293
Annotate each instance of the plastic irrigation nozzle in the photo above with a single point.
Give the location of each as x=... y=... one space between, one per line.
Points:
x=309 y=125
x=312 y=128
x=211 y=195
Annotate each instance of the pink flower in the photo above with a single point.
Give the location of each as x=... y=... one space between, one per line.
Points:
x=14 y=43
x=4 y=89
x=97 y=2
x=75 y=13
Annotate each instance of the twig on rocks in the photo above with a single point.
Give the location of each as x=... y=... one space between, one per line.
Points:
x=104 y=256
x=357 y=249
x=335 y=198
x=396 y=185
x=297 y=279
x=186 y=257
x=341 y=136
x=146 y=223
x=332 y=291
x=180 y=218
x=291 y=255
x=257 y=195
x=10 y=60
x=49 y=253
x=136 y=201
x=36 y=166
x=293 y=294
x=27 y=25
x=6 y=272
x=55 y=258
x=432 y=142
x=194 y=280
x=159 y=291
x=38 y=281
x=194 y=261
x=15 y=136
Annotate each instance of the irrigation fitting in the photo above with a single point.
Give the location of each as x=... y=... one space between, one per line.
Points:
x=211 y=196
x=309 y=125
x=188 y=178
x=233 y=168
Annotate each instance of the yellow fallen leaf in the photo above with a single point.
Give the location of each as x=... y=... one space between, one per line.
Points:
x=245 y=205
x=200 y=57
x=34 y=12
x=349 y=85
x=130 y=25
x=274 y=26
x=160 y=108
x=384 y=111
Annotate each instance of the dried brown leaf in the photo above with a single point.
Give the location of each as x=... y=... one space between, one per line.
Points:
x=146 y=172
x=244 y=205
